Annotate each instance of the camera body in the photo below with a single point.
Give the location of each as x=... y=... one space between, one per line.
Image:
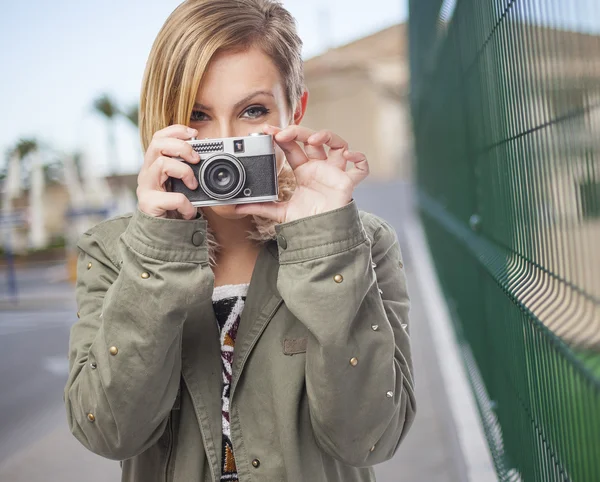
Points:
x=232 y=170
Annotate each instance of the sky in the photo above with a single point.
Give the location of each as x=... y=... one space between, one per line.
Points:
x=57 y=57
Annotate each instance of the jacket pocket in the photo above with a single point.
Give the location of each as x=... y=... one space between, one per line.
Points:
x=294 y=346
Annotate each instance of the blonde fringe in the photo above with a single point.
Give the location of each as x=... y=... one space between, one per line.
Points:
x=264 y=228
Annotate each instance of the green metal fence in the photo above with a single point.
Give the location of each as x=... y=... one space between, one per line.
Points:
x=505 y=97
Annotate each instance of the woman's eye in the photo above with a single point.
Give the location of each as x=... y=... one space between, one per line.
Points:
x=198 y=115
x=255 y=111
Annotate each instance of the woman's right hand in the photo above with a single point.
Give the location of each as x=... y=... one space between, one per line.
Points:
x=159 y=165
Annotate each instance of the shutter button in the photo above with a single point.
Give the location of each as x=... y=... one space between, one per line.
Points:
x=197 y=238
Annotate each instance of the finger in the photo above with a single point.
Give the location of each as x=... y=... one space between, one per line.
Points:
x=353 y=156
x=361 y=166
x=294 y=133
x=294 y=154
x=337 y=146
x=171 y=147
x=310 y=151
x=177 y=131
x=269 y=129
x=155 y=203
x=315 y=152
x=270 y=210
x=157 y=174
x=328 y=138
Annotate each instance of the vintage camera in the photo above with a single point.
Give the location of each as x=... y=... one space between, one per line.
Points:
x=232 y=170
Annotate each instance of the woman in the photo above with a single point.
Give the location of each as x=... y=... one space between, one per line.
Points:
x=308 y=292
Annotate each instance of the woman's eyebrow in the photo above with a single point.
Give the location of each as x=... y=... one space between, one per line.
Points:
x=239 y=104
x=249 y=97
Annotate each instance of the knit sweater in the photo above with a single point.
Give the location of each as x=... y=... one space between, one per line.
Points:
x=228 y=303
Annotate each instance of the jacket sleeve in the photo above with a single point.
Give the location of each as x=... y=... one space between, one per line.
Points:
x=125 y=350
x=350 y=293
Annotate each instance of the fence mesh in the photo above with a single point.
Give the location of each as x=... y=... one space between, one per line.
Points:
x=505 y=96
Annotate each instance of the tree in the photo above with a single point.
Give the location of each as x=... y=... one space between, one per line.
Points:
x=105 y=106
x=28 y=169
x=25 y=147
x=51 y=162
x=23 y=150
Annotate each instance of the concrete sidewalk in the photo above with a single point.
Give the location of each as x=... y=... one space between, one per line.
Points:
x=430 y=452
x=57 y=455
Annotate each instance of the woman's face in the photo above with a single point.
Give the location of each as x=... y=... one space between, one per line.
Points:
x=240 y=92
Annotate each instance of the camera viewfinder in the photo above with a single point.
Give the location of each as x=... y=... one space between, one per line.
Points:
x=238 y=146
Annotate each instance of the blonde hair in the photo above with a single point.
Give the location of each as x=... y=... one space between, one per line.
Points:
x=192 y=35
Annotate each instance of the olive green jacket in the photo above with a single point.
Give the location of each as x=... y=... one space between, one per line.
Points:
x=322 y=385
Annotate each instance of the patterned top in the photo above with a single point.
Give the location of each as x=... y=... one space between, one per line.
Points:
x=228 y=303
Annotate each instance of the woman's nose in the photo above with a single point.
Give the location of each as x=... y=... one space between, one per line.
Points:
x=227 y=129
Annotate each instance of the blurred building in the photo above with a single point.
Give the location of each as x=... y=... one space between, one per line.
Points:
x=360 y=91
x=65 y=215
x=56 y=202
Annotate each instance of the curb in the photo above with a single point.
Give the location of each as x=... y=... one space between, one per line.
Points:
x=461 y=401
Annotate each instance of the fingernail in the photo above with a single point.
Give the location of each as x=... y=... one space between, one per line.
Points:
x=196 y=156
x=192 y=132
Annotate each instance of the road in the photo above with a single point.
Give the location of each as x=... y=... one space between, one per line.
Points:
x=33 y=358
x=35 y=444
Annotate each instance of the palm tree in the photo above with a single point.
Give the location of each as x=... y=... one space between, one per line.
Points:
x=105 y=106
x=25 y=146
x=22 y=151
x=26 y=168
x=52 y=165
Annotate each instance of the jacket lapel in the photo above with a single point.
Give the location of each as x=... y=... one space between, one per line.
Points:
x=201 y=349
x=262 y=301
x=201 y=371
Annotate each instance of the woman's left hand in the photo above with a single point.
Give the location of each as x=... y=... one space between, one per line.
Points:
x=322 y=181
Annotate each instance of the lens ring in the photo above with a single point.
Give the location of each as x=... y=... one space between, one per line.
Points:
x=236 y=169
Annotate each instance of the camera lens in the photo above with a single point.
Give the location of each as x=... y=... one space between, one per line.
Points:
x=222 y=176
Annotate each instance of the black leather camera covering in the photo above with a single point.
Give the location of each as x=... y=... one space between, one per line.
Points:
x=261 y=178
